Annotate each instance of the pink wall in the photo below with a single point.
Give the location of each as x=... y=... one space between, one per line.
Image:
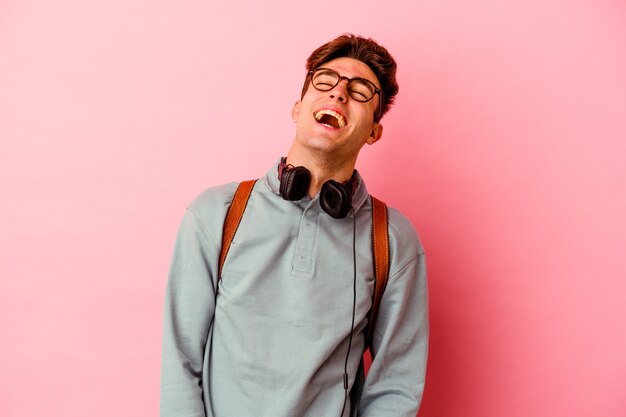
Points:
x=506 y=149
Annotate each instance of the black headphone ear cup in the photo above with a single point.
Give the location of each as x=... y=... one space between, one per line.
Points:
x=294 y=183
x=335 y=199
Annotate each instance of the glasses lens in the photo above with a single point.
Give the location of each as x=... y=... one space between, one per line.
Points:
x=325 y=79
x=361 y=90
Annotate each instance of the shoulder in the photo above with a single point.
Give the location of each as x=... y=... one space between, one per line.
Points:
x=213 y=197
x=404 y=242
x=210 y=206
x=402 y=231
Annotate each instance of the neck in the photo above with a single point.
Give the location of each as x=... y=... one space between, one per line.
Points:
x=322 y=169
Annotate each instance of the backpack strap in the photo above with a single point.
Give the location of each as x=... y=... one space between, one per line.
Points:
x=380 y=249
x=233 y=218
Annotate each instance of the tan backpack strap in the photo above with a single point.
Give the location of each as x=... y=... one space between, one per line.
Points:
x=233 y=218
x=380 y=248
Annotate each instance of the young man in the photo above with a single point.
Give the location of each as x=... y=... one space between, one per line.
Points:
x=285 y=326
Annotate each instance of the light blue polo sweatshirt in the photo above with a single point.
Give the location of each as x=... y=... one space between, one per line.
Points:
x=274 y=340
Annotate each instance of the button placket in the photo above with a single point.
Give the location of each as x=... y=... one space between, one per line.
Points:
x=307 y=240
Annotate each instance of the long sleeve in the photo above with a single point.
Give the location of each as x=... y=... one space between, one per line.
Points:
x=395 y=382
x=188 y=312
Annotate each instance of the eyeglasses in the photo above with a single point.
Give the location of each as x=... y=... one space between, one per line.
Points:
x=360 y=89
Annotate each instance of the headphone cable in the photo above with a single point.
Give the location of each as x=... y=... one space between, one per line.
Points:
x=345 y=367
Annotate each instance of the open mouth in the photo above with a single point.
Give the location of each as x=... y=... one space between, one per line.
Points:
x=330 y=118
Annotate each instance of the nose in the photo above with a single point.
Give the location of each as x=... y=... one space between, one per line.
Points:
x=340 y=92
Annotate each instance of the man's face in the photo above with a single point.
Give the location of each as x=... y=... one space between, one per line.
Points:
x=333 y=123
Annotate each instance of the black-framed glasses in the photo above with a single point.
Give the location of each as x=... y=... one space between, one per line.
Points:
x=359 y=89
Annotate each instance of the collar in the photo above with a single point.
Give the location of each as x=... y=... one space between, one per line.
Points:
x=358 y=198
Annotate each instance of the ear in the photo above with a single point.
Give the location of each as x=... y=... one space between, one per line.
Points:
x=295 y=112
x=375 y=134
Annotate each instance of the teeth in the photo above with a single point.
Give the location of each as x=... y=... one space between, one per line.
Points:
x=340 y=119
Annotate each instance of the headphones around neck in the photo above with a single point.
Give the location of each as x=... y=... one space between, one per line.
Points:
x=335 y=198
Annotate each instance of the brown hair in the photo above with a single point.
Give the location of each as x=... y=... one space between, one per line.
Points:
x=367 y=51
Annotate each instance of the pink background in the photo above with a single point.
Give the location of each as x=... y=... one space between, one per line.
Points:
x=506 y=149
